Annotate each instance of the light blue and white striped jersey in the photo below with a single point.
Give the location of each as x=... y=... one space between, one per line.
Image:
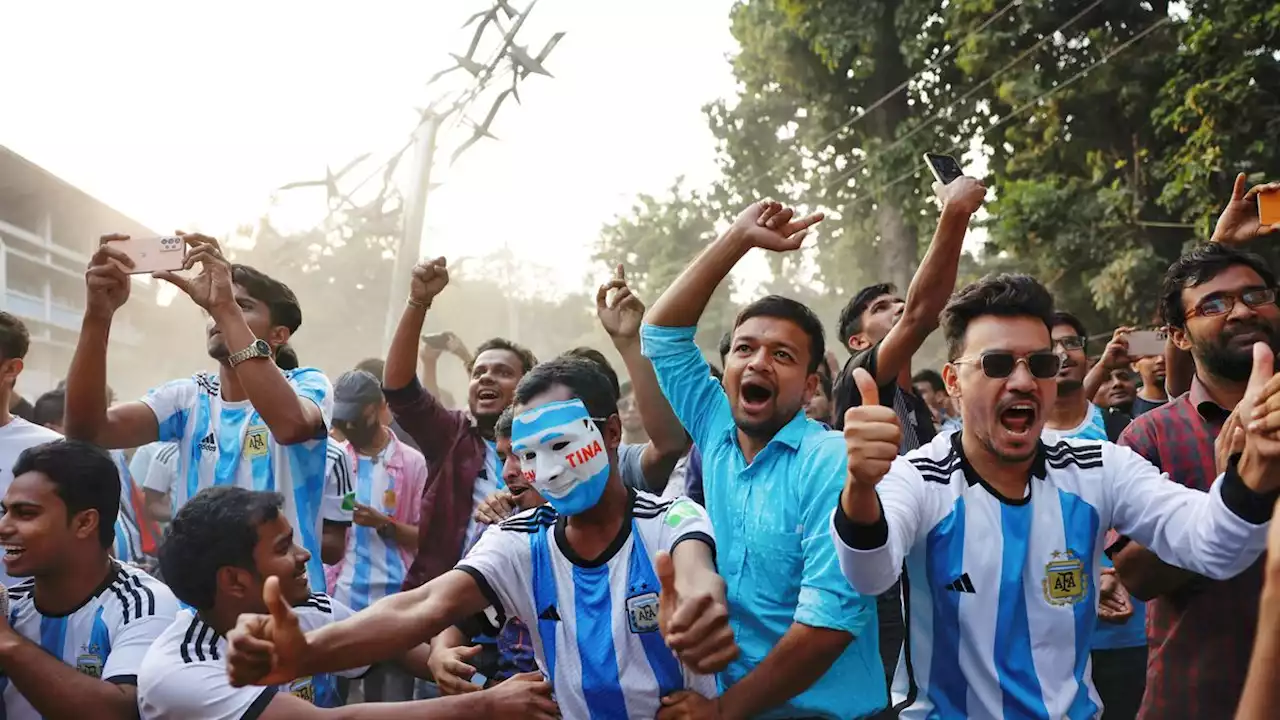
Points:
x=228 y=443
x=106 y=637
x=128 y=545
x=1001 y=593
x=1093 y=427
x=392 y=484
x=184 y=676
x=594 y=623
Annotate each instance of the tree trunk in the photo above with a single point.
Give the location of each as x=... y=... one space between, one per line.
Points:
x=898 y=248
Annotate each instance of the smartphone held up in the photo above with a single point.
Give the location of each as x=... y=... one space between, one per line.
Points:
x=944 y=167
x=153 y=254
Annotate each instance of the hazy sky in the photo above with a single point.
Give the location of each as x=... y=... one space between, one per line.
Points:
x=188 y=116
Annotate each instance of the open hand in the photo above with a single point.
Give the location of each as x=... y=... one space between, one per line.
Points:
x=107 y=278
x=619 y=310
x=429 y=278
x=872 y=434
x=449 y=667
x=211 y=287
x=524 y=696
x=266 y=649
x=1239 y=222
x=771 y=226
x=495 y=508
x=693 y=617
x=1116 y=355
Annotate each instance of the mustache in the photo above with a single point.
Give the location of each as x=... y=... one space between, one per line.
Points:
x=1240 y=327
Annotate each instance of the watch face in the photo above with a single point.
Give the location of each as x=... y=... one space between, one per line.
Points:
x=261 y=348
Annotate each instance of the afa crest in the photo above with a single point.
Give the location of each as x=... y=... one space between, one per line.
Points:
x=1065 y=580
x=255 y=441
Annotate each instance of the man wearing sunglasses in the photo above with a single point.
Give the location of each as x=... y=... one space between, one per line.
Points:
x=1218 y=303
x=1002 y=534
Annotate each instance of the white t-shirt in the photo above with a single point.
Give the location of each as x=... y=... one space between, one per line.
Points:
x=16 y=436
x=105 y=638
x=594 y=624
x=184 y=675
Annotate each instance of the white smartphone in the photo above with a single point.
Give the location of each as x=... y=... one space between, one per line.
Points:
x=1143 y=343
x=944 y=167
x=154 y=253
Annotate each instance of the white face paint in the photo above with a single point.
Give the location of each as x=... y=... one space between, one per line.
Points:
x=562 y=454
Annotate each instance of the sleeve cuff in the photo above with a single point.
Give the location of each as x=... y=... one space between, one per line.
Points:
x=858 y=536
x=122 y=680
x=1252 y=507
x=701 y=536
x=260 y=703
x=485 y=588
x=406 y=394
x=658 y=340
x=1120 y=544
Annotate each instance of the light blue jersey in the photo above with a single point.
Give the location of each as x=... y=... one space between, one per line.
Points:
x=227 y=443
x=1093 y=427
x=129 y=546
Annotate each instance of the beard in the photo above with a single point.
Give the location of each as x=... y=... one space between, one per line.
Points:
x=1225 y=361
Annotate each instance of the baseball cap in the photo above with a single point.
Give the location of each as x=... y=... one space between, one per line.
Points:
x=354 y=391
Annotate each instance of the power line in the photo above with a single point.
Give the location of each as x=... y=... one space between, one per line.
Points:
x=901 y=86
x=951 y=106
x=1022 y=108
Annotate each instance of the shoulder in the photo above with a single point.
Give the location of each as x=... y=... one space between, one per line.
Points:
x=21 y=595
x=529 y=521
x=647 y=506
x=134 y=595
x=1143 y=433
x=306 y=376
x=935 y=461
x=29 y=433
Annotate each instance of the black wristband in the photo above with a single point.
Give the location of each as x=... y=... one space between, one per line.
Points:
x=858 y=536
x=1254 y=508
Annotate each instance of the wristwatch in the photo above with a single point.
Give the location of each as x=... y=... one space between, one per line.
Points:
x=256 y=349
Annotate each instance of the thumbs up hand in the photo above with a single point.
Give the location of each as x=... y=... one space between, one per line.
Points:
x=872 y=435
x=266 y=649
x=1260 y=409
x=693 y=616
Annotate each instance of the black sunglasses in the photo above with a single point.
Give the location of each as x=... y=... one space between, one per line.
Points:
x=999 y=365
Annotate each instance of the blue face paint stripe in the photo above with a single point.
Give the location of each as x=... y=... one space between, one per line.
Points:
x=593 y=614
x=53 y=636
x=642 y=579
x=543 y=578
x=944 y=561
x=547 y=417
x=1080 y=522
x=364 y=537
x=1015 y=664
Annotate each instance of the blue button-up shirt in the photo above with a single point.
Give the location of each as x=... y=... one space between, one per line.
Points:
x=773 y=546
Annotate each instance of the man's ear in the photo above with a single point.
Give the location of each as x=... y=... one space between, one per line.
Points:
x=279 y=336
x=1181 y=339
x=85 y=524
x=612 y=432
x=951 y=378
x=858 y=343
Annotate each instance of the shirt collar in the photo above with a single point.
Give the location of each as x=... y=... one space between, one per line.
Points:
x=1039 y=466
x=1206 y=406
x=791 y=434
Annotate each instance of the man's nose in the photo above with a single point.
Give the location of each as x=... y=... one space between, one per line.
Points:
x=1021 y=378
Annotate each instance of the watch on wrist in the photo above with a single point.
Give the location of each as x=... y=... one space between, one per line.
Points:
x=256 y=349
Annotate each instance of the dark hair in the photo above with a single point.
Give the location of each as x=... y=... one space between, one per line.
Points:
x=1062 y=317
x=932 y=377
x=824 y=380
x=502 y=428
x=50 y=407
x=281 y=303
x=583 y=378
x=726 y=341
x=716 y=372
x=776 y=306
x=527 y=360
x=286 y=357
x=602 y=362
x=374 y=366
x=215 y=529
x=851 y=315
x=14 y=338
x=1003 y=295
x=1200 y=266
x=83 y=475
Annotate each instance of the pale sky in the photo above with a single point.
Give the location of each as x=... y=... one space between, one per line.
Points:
x=186 y=115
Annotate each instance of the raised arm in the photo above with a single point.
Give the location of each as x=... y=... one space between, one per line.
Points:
x=621 y=316
x=933 y=281
x=87 y=417
x=1115 y=357
x=763 y=224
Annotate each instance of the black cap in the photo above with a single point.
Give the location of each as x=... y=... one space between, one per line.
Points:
x=354 y=391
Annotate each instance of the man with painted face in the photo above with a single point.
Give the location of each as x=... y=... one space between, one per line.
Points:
x=249 y=424
x=1002 y=533
x=462 y=458
x=602 y=576
x=770 y=477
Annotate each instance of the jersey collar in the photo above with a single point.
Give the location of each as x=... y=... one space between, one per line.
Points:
x=1039 y=469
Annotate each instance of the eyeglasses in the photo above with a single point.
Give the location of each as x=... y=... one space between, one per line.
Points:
x=1000 y=365
x=1223 y=304
x=1070 y=342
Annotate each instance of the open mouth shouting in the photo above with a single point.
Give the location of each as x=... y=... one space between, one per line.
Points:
x=754 y=396
x=489 y=397
x=1018 y=417
x=12 y=552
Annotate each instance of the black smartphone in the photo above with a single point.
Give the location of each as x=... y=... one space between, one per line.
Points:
x=437 y=341
x=944 y=167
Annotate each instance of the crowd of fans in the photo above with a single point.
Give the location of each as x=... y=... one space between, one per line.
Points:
x=1030 y=532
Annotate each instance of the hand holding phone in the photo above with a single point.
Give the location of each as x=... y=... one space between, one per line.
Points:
x=1145 y=343
x=1269 y=208
x=153 y=254
x=437 y=341
x=944 y=167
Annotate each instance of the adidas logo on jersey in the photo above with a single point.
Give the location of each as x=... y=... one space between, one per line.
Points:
x=962 y=584
x=550 y=614
x=209 y=443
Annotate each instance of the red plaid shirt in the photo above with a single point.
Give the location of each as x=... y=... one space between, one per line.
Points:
x=1200 y=636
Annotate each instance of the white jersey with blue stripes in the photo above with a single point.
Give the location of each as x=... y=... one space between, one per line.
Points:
x=1001 y=594
x=184 y=676
x=594 y=624
x=228 y=443
x=128 y=543
x=107 y=637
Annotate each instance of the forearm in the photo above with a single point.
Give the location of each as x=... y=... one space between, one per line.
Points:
x=56 y=689
x=388 y=628
x=406 y=536
x=1262 y=683
x=935 y=279
x=291 y=419
x=476 y=705
x=402 y=357
x=802 y=656
x=157 y=505
x=1145 y=575
x=867 y=558
x=86 y=391
x=684 y=302
x=694 y=564
x=429 y=374
x=1180 y=369
x=1093 y=381
x=665 y=432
